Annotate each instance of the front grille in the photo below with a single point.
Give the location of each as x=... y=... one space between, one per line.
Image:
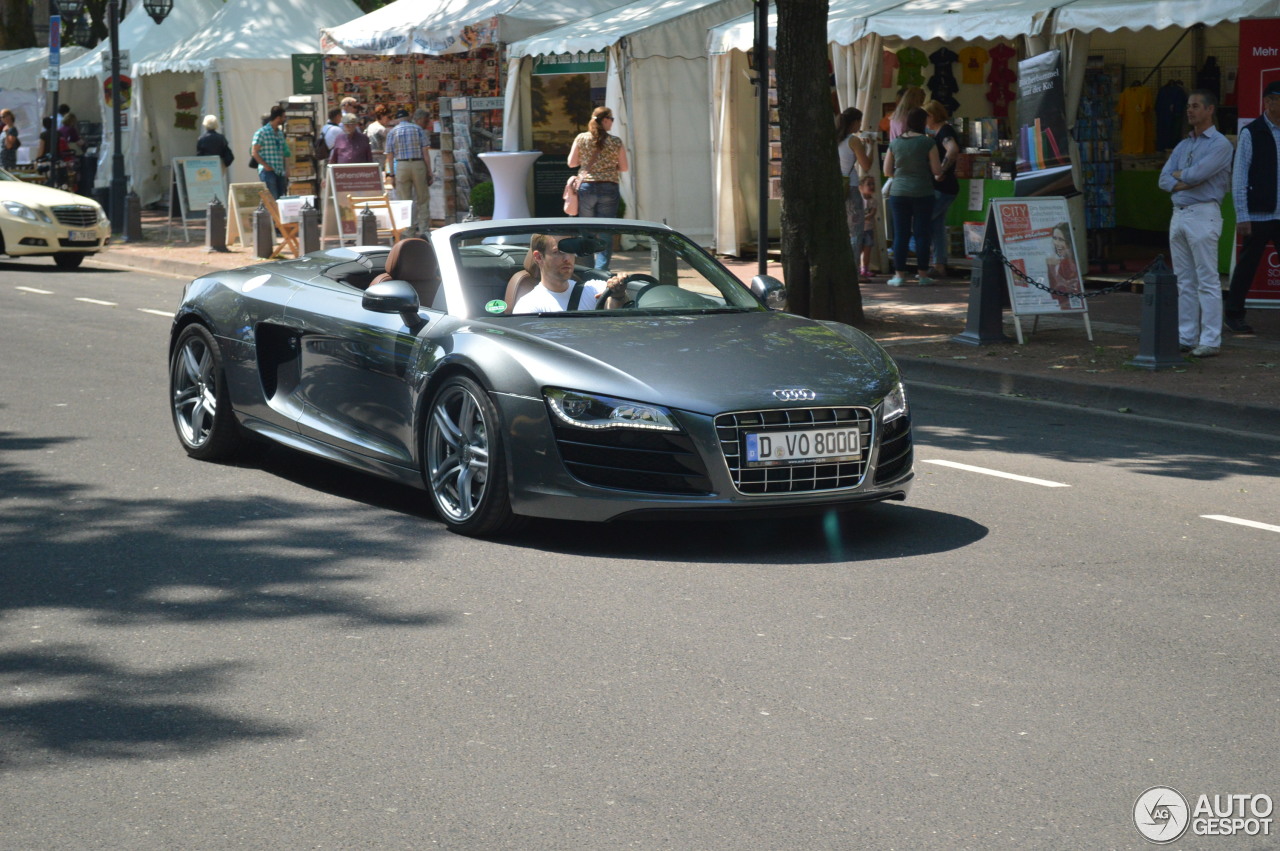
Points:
x=634 y=460
x=78 y=243
x=76 y=215
x=733 y=428
x=896 y=451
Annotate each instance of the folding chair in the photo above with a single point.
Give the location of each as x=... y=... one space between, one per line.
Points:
x=379 y=202
x=288 y=230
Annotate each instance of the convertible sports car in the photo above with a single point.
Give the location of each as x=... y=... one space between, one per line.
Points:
x=694 y=393
x=41 y=220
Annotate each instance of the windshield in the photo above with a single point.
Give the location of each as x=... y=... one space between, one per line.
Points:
x=589 y=269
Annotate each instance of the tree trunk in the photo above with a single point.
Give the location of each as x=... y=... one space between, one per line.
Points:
x=817 y=258
x=16 y=30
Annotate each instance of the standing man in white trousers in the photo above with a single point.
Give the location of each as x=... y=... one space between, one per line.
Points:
x=1198 y=174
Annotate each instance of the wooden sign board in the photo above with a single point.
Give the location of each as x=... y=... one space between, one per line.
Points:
x=243 y=200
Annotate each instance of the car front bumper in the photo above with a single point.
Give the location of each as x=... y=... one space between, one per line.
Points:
x=23 y=237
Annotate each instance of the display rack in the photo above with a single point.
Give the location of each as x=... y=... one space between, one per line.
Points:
x=1095 y=135
x=301 y=168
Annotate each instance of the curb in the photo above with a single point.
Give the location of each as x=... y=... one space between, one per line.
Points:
x=1103 y=397
x=184 y=269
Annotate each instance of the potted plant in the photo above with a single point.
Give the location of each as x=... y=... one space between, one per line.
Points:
x=482 y=200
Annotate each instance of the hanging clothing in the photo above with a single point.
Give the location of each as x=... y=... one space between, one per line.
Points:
x=1171 y=108
x=972 y=61
x=910 y=61
x=1135 y=108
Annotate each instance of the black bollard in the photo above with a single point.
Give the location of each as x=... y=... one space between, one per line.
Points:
x=368 y=228
x=264 y=232
x=1158 y=331
x=215 y=226
x=984 y=323
x=308 y=228
x=132 y=217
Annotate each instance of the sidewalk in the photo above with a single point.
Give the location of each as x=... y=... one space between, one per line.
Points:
x=1240 y=389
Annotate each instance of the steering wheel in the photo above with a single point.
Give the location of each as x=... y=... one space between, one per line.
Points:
x=649 y=283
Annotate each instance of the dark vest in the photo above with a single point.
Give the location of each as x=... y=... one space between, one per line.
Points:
x=1261 y=189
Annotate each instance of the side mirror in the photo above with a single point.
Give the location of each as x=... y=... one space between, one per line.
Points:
x=771 y=292
x=393 y=297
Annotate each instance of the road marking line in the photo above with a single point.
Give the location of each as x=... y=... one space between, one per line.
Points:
x=167 y=314
x=98 y=301
x=1251 y=523
x=986 y=472
x=34 y=290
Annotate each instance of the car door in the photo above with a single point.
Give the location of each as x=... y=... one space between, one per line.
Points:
x=358 y=372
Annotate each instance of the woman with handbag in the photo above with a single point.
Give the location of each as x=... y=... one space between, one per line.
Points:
x=854 y=163
x=601 y=158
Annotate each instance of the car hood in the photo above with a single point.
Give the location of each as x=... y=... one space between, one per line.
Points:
x=708 y=363
x=45 y=196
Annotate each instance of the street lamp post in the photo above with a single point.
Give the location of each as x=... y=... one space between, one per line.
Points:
x=158 y=10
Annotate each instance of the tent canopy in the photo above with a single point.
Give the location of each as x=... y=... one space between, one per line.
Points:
x=242 y=32
x=846 y=23
x=143 y=37
x=959 y=20
x=1112 y=15
x=21 y=69
x=453 y=26
x=652 y=28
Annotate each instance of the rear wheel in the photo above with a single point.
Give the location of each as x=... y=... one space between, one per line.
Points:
x=463 y=460
x=68 y=261
x=201 y=409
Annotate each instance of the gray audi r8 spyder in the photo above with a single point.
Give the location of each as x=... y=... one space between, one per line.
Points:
x=687 y=393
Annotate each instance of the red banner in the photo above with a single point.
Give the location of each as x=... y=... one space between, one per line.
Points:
x=1259 y=65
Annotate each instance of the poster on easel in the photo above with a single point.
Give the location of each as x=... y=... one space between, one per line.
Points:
x=242 y=200
x=194 y=181
x=345 y=180
x=1035 y=236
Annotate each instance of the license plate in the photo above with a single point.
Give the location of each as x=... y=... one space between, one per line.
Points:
x=82 y=236
x=816 y=446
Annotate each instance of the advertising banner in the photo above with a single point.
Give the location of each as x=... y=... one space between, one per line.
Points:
x=1259 y=65
x=1044 y=157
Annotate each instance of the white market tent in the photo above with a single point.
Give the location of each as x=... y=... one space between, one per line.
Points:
x=22 y=89
x=239 y=65
x=83 y=79
x=452 y=26
x=657 y=84
x=857 y=32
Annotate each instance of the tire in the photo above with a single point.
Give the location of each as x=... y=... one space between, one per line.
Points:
x=464 y=464
x=68 y=261
x=198 y=397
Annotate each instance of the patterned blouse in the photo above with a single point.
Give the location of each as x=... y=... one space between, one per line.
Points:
x=603 y=161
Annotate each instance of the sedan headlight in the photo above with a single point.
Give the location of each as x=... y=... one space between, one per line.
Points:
x=894 y=405
x=588 y=410
x=22 y=211
x=103 y=218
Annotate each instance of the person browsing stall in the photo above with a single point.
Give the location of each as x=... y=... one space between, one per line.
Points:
x=1198 y=174
x=408 y=149
x=556 y=285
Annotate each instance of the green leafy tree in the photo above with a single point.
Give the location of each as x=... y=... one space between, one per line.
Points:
x=817 y=257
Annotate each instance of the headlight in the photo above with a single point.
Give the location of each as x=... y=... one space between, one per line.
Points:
x=103 y=218
x=587 y=410
x=894 y=405
x=22 y=211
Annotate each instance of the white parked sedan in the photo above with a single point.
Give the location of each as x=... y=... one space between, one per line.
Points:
x=42 y=221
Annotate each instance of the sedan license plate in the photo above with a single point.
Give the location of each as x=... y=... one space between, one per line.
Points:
x=82 y=236
x=816 y=446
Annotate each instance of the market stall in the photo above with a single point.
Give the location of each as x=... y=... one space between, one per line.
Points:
x=22 y=90
x=652 y=58
x=86 y=85
x=236 y=68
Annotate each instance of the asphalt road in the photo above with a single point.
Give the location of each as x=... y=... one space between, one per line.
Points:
x=278 y=654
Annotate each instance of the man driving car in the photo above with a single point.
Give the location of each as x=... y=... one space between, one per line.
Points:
x=556 y=287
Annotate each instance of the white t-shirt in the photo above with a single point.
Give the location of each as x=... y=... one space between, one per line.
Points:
x=331 y=133
x=542 y=300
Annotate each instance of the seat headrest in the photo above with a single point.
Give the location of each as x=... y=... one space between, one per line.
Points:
x=412 y=260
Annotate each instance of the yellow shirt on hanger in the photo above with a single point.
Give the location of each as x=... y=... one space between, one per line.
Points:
x=1137 y=121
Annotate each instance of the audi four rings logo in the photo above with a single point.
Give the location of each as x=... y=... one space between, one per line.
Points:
x=795 y=394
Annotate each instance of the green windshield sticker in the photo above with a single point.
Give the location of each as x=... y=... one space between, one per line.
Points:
x=496 y=306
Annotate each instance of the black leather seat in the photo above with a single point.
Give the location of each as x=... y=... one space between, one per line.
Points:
x=414 y=261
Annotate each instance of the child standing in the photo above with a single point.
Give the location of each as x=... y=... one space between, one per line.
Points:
x=870 y=215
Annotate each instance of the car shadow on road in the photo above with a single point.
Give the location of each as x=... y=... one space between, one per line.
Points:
x=869 y=533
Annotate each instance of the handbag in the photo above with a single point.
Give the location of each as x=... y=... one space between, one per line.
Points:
x=570 y=194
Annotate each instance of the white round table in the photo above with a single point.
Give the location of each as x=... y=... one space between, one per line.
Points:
x=510 y=172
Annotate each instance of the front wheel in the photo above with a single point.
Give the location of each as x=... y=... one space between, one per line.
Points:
x=198 y=397
x=463 y=460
